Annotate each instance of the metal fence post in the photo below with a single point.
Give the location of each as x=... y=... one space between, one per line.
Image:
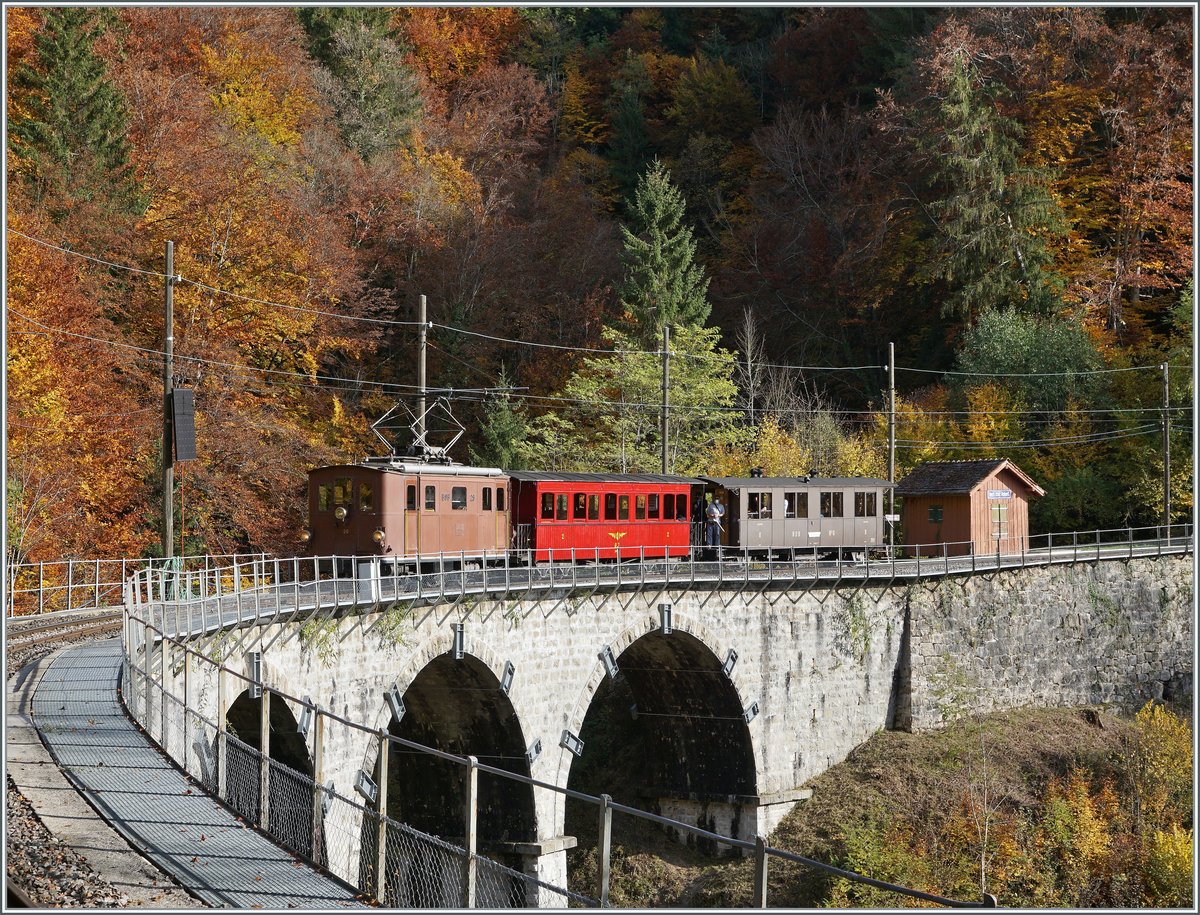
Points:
x=471 y=815
x=318 y=777
x=222 y=761
x=187 y=682
x=41 y=587
x=381 y=833
x=759 y=900
x=264 y=772
x=604 y=844
x=147 y=703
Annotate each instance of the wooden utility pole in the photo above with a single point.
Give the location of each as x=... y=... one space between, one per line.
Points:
x=891 y=526
x=666 y=357
x=422 y=340
x=168 y=468
x=1166 y=443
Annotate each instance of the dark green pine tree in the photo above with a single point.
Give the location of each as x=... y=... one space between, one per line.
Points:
x=993 y=215
x=73 y=133
x=503 y=432
x=629 y=148
x=663 y=282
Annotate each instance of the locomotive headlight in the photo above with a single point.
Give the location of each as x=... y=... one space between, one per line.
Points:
x=378 y=535
x=340 y=513
x=305 y=536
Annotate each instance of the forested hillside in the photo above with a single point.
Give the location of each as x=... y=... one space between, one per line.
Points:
x=1005 y=194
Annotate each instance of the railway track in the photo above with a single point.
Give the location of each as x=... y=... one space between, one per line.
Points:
x=22 y=634
x=15 y=897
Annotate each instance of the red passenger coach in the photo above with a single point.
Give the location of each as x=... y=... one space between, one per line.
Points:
x=595 y=516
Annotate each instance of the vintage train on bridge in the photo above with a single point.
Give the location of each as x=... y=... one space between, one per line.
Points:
x=413 y=512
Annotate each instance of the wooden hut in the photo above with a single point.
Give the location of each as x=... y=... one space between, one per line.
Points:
x=974 y=506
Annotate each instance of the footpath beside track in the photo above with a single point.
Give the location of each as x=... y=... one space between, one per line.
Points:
x=158 y=810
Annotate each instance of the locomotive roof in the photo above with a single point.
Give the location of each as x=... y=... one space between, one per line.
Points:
x=796 y=482
x=414 y=467
x=548 y=476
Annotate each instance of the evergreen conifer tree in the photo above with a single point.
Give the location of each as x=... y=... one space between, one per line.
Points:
x=71 y=138
x=992 y=214
x=663 y=283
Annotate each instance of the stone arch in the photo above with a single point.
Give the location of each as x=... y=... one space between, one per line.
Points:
x=694 y=742
x=456 y=706
x=290 y=794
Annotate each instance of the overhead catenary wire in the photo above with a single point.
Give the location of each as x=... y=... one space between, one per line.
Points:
x=352 y=384
x=348 y=384
x=579 y=349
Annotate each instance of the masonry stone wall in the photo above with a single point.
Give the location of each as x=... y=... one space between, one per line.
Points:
x=1114 y=632
x=827 y=666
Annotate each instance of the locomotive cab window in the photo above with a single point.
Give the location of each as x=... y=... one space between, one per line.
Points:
x=366 y=498
x=410 y=498
x=487 y=498
x=579 y=512
x=864 y=505
x=593 y=513
x=343 y=493
x=831 y=505
x=652 y=507
x=547 y=506
x=639 y=508
x=560 y=513
x=610 y=506
x=323 y=497
x=458 y=498
x=499 y=498
x=430 y=498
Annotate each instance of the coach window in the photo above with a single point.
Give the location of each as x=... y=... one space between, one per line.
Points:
x=547 y=506
x=458 y=498
x=935 y=514
x=831 y=505
x=623 y=509
x=864 y=505
x=561 y=513
x=801 y=505
x=580 y=511
x=499 y=499
x=430 y=498
x=593 y=508
x=610 y=506
x=366 y=498
x=487 y=498
x=758 y=505
x=323 y=498
x=639 y=508
x=652 y=507
x=669 y=506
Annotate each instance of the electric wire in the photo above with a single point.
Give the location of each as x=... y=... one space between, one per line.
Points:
x=580 y=349
x=300 y=308
x=648 y=407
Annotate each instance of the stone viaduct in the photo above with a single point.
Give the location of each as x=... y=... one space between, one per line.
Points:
x=739 y=697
